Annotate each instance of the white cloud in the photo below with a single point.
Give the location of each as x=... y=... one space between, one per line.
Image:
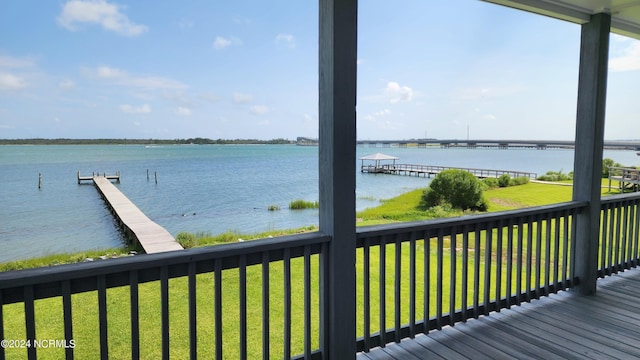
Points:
x=183 y=111
x=98 y=12
x=123 y=78
x=397 y=93
x=220 y=43
x=11 y=82
x=286 y=39
x=240 y=98
x=66 y=84
x=628 y=60
x=377 y=114
x=130 y=109
x=241 y=20
x=110 y=73
x=489 y=117
x=259 y=110
x=14 y=62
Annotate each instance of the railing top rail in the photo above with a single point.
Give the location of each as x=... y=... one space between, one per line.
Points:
x=466 y=220
x=620 y=197
x=25 y=277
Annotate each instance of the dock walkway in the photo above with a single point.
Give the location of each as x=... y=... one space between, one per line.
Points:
x=152 y=237
x=428 y=170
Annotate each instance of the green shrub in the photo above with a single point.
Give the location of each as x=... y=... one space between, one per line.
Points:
x=273 y=208
x=302 y=204
x=504 y=180
x=556 y=176
x=458 y=188
x=186 y=239
x=519 y=181
x=490 y=183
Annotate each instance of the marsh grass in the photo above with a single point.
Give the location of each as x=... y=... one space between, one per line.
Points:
x=300 y=204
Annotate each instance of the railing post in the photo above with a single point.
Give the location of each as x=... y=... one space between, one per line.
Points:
x=592 y=90
x=337 y=156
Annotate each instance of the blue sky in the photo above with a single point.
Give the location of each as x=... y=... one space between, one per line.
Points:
x=248 y=69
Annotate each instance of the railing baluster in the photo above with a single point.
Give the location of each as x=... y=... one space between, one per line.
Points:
x=135 y=314
x=500 y=228
x=636 y=235
x=519 y=256
x=625 y=228
x=102 y=315
x=242 y=289
x=610 y=237
x=538 y=256
x=382 y=291
x=465 y=272
x=67 y=317
x=164 y=300
x=30 y=320
x=439 y=266
x=604 y=220
x=529 y=264
x=487 y=268
x=508 y=291
x=265 y=305
x=476 y=274
x=616 y=246
x=412 y=285
x=397 y=300
x=547 y=255
x=566 y=250
x=556 y=252
x=367 y=294
x=193 y=324
x=307 y=302
x=572 y=256
x=217 y=295
x=287 y=304
x=426 y=295
x=452 y=275
x=630 y=230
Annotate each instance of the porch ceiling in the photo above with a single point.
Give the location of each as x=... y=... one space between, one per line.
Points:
x=625 y=14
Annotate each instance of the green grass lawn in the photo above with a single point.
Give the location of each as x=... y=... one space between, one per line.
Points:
x=403 y=208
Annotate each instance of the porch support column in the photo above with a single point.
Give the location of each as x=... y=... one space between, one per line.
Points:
x=337 y=115
x=592 y=93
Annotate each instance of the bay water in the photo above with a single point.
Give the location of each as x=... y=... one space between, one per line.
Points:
x=203 y=188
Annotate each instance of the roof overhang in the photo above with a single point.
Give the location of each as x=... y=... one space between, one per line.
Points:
x=625 y=14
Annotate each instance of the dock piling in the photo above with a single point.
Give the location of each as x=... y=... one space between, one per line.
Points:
x=39 y=180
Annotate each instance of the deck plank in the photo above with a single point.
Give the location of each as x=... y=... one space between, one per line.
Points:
x=152 y=237
x=564 y=325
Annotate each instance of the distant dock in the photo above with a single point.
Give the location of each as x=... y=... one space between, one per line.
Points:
x=152 y=237
x=429 y=170
x=376 y=165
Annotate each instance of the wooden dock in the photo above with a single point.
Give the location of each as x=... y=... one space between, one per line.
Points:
x=429 y=170
x=104 y=175
x=152 y=237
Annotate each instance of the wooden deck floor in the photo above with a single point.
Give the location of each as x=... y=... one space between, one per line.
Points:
x=152 y=237
x=561 y=326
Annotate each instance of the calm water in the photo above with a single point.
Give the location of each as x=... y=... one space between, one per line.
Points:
x=201 y=188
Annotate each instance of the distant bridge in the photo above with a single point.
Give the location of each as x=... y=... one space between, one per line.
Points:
x=500 y=144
